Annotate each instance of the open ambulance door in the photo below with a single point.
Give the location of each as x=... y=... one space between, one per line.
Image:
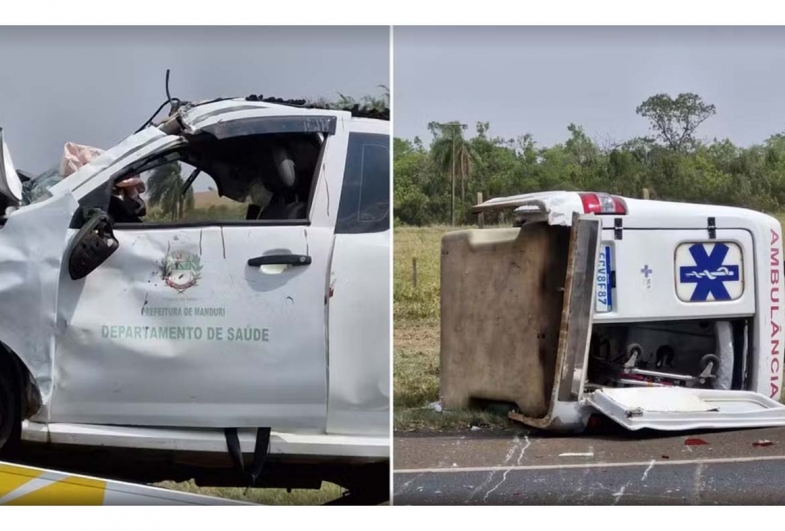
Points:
x=670 y=408
x=678 y=408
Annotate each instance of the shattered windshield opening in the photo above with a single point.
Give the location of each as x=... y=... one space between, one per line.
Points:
x=74 y=157
x=37 y=188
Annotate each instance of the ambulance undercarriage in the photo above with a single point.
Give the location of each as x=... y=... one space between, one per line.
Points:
x=658 y=315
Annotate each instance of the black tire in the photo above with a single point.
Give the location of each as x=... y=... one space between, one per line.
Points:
x=632 y=350
x=10 y=411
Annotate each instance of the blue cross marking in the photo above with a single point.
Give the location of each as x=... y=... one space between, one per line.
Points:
x=646 y=271
x=709 y=273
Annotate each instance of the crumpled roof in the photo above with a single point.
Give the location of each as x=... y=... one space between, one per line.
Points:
x=357 y=110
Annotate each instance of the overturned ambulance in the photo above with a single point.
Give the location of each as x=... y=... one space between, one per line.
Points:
x=256 y=323
x=656 y=314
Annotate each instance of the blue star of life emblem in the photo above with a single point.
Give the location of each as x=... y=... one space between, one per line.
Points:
x=709 y=274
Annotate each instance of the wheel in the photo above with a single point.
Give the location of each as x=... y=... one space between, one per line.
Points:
x=709 y=359
x=632 y=355
x=10 y=412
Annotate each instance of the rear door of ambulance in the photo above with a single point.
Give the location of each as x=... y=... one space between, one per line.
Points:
x=671 y=268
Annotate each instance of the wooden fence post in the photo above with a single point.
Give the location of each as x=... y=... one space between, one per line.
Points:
x=645 y=193
x=414 y=271
x=480 y=216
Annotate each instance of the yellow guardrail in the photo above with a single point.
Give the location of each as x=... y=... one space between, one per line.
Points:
x=26 y=485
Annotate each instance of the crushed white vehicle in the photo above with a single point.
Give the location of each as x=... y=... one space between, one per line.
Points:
x=200 y=340
x=659 y=315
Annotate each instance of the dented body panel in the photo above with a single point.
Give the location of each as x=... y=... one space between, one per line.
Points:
x=237 y=348
x=32 y=243
x=359 y=386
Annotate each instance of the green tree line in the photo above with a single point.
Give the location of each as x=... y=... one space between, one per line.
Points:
x=438 y=183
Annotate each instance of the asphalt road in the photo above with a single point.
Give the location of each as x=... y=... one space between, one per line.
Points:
x=616 y=468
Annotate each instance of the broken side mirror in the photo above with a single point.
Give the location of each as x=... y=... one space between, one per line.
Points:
x=92 y=245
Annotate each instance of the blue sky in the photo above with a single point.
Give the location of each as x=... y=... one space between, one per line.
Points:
x=97 y=85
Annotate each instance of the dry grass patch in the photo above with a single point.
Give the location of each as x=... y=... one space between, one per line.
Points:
x=417 y=335
x=328 y=492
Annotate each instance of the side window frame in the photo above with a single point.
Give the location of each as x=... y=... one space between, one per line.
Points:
x=355 y=180
x=105 y=190
x=324 y=124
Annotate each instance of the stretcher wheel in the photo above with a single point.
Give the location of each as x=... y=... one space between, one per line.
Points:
x=708 y=359
x=632 y=354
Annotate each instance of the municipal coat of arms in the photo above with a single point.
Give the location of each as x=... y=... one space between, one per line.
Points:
x=181 y=270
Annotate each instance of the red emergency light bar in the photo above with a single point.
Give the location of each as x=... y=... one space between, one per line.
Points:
x=602 y=204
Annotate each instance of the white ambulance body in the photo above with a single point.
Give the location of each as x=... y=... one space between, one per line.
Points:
x=685 y=321
x=159 y=336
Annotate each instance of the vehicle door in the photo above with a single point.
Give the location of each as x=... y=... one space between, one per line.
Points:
x=360 y=305
x=211 y=320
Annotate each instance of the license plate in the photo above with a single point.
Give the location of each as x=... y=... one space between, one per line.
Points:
x=604 y=288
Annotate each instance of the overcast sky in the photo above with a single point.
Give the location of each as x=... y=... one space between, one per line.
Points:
x=538 y=80
x=97 y=85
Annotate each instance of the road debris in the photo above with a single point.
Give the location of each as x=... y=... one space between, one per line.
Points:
x=577 y=454
x=762 y=442
x=694 y=441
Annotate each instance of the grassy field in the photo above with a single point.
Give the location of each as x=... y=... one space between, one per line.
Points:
x=328 y=492
x=416 y=329
x=211 y=198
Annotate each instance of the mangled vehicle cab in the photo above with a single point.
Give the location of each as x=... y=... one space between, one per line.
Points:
x=247 y=313
x=658 y=315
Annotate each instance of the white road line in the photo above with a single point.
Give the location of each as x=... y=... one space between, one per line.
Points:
x=589 y=465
